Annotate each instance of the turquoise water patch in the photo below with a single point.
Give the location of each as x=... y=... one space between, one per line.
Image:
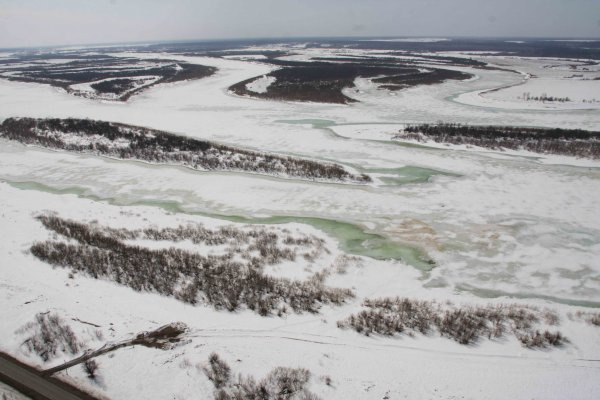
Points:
x=315 y=123
x=352 y=238
x=407 y=175
x=493 y=294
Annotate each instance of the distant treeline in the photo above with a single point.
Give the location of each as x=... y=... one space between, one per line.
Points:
x=525 y=47
x=132 y=142
x=119 y=76
x=544 y=97
x=323 y=82
x=569 y=142
x=431 y=77
x=383 y=58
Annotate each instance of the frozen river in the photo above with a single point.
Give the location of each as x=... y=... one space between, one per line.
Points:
x=491 y=223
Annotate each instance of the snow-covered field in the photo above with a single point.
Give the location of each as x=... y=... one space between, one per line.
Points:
x=572 y=84
x=501 y=227
x=261 y=84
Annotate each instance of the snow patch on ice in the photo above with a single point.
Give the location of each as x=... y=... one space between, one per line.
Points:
x=261 y=85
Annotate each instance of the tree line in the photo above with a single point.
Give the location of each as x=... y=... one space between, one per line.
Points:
x=131 y=142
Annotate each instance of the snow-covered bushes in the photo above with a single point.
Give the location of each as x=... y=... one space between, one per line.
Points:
x=90 y=367
x=592 y=318
x=465 y=325
x=217 y=371
x=542 y=340
x=280 y=384
x=49 y=336
x=228 y=281
x=569 y=142
x=131 y=142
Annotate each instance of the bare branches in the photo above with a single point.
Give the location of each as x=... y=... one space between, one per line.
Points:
x=570 y=142
x=465 y=325
x=90 y=367
x=228 y=281
x=131 y=142
x=217 y=371
x=50 y=335
x=280 y=384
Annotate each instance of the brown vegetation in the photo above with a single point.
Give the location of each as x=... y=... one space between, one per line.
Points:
x=280 y=384
x=132 y=142
x=465 y=325
x=229 y=281
x=90 y=367
x=50 y=335
x=592 y=318
x=569 y=142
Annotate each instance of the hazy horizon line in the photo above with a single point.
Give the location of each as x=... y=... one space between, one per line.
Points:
x=283 y=38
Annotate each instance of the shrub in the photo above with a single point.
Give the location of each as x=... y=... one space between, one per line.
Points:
x=542 y=340
x=49 y=335
x=90 y=367
x=280 y=384
x=218 y=280
x=217 y=371
x=465 y=325
x=592 y=318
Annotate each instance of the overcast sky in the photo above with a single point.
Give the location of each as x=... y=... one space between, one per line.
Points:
x=58 y=22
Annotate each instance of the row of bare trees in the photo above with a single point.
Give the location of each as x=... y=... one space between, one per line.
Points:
x=227 y=281
x=569 y=142
x=130 y=142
